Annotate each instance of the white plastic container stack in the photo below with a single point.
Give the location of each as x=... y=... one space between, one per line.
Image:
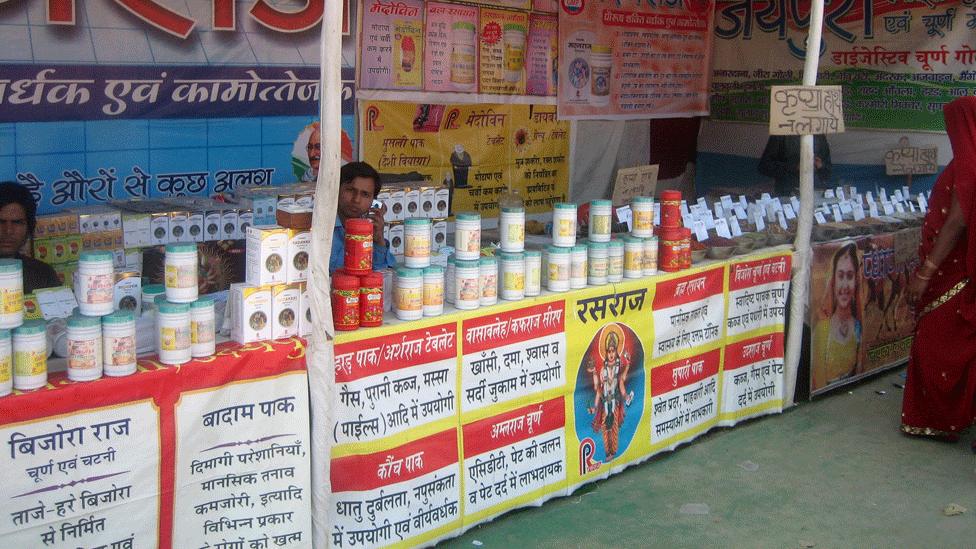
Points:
x=119 y=344
x=11 y=294
x=181 y=273
x=84 y=348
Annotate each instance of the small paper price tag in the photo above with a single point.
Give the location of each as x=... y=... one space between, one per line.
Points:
x=840 y=193
x=726 y=201
x=870 y=198
x=625 y=216
x=829 y=193
x=743 y=201
x=722 y=228
x=911 y=206
x=719 y=209
x=872 y=209
x=923 y=205
x=845 y=207
x=684 y=208
x=899 y=207
x=760 y=221
x=782 y=221
x=819 y=216
x=838 y=217
x=905 y=191
x=796 y=203
x=788 y=211
x=702 y=202
x=858 y=211
x=898 y=196
x=687 y=220
x=734 y=225
x=765 y=197
x=701 y=233
x=884 y=194
x=888 y=208
x=657 y=213
x=740 y=212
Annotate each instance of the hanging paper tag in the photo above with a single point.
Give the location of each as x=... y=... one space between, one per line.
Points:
x=625 y=215
x=701 y=233
x=657 y=213
x=722 y=228
x=734 y=225
x=788 y=211
x=838 y=217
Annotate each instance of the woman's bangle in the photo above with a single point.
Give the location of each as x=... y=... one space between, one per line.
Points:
x=920 y=277
x=930 y=264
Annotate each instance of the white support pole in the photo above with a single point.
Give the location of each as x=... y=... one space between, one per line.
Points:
x=801 y=257
x=320 y=353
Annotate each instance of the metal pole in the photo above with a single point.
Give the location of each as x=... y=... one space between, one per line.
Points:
x=320 y=352
x=801 y=258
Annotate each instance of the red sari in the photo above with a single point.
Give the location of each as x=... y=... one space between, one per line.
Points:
x=940 y=392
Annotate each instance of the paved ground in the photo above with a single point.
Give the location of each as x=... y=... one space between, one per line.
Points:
x=832 y=473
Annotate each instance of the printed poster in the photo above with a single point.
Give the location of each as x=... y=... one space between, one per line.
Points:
x=631 y=62
x=859 y=317
x=86 y=479
x=476 y=151
x=503 y=38
x=542 y=67
x=898 y=62
x=242 y=460
x=753 y=378
x=451 y=48
x=609 y=367
x=392 y=45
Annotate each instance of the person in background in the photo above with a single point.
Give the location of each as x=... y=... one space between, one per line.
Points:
x=940 y=391
x=359 y=184
x=781 y=161
x=18 y=216
x=837 y=334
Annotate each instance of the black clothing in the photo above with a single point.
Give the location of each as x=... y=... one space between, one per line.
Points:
x=781 y=161
x=38 y=274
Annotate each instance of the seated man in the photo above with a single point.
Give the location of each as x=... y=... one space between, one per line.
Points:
x=359 y=184
x=18 y=216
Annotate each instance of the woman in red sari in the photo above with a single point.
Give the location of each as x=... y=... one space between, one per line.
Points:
x=940 y=393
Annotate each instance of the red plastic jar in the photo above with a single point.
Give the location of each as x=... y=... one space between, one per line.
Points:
x=371 y=300
x=345 y=302
x=358 y=259
x=669 y=249
x=685 y=248
x=671 y=209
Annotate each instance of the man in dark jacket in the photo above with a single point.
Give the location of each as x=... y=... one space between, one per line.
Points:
x=18 y=216
x=781 y=161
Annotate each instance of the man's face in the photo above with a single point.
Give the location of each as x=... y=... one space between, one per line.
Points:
x=355 y=197
x=13 y=229
x=314 y=150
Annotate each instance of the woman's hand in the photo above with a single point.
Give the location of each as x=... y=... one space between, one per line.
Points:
x=916 y=287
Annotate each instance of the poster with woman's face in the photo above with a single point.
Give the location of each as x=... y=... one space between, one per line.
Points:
x=836 y=312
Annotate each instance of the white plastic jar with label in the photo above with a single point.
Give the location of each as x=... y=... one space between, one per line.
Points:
x=511 y=229
x=467 y=236
x=600 y=221
x=95 y=289
x=488 y=280
x=11 y=293
x=30 y=355
x=558 y=261
x=578 y=269
x=597 y=263
x=6 y=363
x=512 y=267
x=615 y=261
x=173 y=326
x=203 y=341
x=433 y=290
x=181 y=270
x=564 y=225
x=84 y=348
x=467 y=284
x=416 y=243
x=533 y=273
x=119 y=344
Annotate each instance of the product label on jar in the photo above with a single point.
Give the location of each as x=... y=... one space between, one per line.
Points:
x=433 y=294
x=567 y=227
x=600 y=224
x=181 y=276
x=514 y=280
x=97 y=288
x=6 y=368
x=579 y=269
x=633 y=261
x=30 y=363
x=558 y=272
x=489 y=286
x=515 y=233
x=468 y=289
x=616 y=264
x=174 y=339
x=201 y=331
x=417 y=245
x=82 y=354
x=120 y=351
x=12 y=300
x=643 y=220
x=469 y=240
x=410 y=299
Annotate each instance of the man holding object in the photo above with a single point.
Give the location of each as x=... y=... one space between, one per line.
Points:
x=359 y=184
